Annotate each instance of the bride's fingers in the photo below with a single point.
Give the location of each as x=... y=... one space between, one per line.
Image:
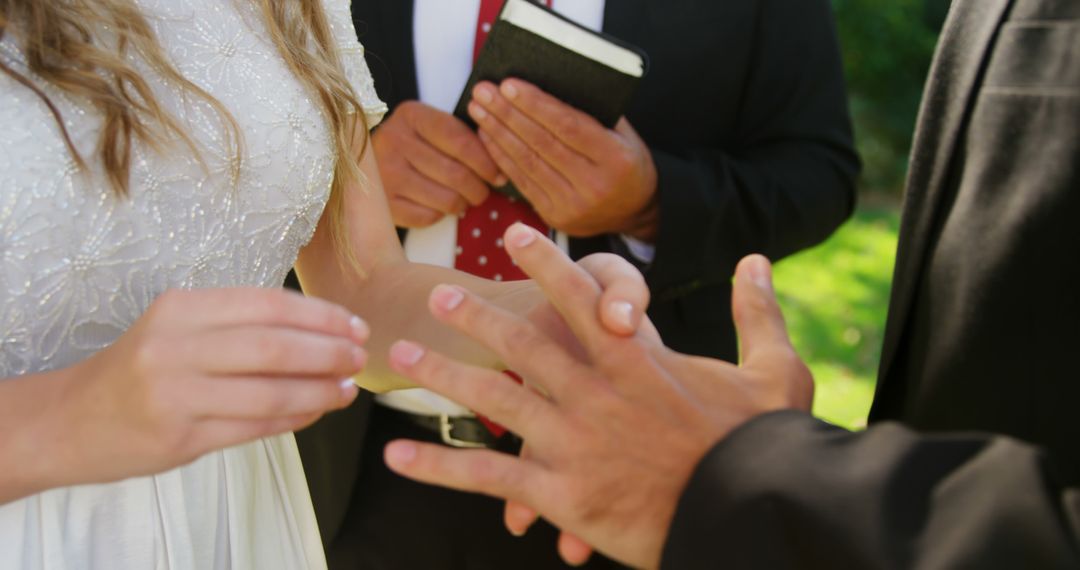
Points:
x=573 y=550
x=212 y=308
x=221 y=433
x=272 y=351
x=625 y=294
x=254 y=398
x=516 y=341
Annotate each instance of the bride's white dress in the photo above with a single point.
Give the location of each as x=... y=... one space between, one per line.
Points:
x=78 y=265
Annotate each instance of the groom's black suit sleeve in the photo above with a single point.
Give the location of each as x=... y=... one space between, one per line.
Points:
x=972 y=458
x=790 y=491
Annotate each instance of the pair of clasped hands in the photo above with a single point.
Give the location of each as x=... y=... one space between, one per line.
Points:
x=580 y=177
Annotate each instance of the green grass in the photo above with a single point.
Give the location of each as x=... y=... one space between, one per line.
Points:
x=834 y=298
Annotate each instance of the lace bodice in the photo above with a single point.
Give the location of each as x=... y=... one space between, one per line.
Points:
x=78 y=264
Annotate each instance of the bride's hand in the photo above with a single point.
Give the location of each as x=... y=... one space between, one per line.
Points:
x=204 y=370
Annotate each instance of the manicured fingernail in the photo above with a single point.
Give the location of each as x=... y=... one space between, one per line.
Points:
x=520 y=235
x=447 y=297
x=477 y=112
x=483 y=94
x=759 y=273
x=508 y=90
x=623 y=314
x=400 y=453
x=501 y=180
x=349 y=389
x=406 y=353
x=360 y=329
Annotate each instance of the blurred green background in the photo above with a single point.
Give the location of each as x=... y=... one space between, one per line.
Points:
x=834 y=299
x=887 y=46
x=835 y=296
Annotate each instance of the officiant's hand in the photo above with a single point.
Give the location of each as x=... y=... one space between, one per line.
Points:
x=431 y=164
x=616 y=439
x=582 y=178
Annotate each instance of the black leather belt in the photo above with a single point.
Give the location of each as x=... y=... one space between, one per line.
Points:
x=455 y=431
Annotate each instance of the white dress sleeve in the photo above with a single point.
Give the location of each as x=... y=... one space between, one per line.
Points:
x=351 y=54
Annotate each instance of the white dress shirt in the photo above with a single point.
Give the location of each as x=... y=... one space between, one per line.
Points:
x=444 y=32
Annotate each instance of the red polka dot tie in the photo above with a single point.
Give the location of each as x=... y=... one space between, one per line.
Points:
x=479 y=237
x=480 y=229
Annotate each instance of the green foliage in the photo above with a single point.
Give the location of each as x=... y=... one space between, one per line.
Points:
x=835 y=297
x=887 y=46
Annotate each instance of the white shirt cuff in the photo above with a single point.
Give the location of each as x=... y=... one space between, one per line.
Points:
x=642 y=251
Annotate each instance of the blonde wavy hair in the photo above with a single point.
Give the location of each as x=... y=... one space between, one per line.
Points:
x=61 y=41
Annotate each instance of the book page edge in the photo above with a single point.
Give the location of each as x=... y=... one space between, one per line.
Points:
x=528 y=16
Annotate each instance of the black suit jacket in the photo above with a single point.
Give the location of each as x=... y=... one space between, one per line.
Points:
x=973 y=459
x=745 y=112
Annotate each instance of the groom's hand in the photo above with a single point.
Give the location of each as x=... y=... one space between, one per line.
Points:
x=617 y=434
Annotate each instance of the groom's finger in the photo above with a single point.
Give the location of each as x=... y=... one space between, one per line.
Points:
x=574 y=292
x=476 y=471
x=574 y=551
x=516 y=516
x=758 y=319
x=487 y=392
x=521 y=346
x=625 y=294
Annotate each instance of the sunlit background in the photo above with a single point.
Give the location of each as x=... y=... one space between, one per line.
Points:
x=835 y=296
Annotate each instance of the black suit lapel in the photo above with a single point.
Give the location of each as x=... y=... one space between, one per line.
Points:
x=947 y=102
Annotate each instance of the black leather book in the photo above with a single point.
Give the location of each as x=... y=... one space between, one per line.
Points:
x=588 y=70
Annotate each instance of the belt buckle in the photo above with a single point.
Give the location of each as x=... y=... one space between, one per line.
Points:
x=446 y=429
